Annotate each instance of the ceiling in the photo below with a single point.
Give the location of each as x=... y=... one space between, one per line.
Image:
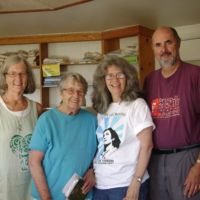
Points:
x=96 y=15
x=16 y=6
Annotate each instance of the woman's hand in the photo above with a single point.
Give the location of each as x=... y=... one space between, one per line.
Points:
x=89 y=181
x=133 y=191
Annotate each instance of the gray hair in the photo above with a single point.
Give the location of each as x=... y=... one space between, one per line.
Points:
x=12 y=60
x=101 y=96
x=75 y=76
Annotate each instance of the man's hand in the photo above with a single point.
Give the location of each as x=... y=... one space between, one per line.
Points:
x=192 y=182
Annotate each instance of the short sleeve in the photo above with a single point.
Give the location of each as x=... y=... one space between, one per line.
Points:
x=140 y=116
x=39 y=139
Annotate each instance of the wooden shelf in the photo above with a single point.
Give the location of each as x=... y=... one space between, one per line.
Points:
x=35 y=67
x=36 y=39
x=110 y=41
x=86 y=63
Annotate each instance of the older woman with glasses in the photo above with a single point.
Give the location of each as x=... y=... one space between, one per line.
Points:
x=121 y=171
x=63 y=143
x=18 y=116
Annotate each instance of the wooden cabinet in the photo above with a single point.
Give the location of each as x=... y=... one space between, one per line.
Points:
x=109 y=40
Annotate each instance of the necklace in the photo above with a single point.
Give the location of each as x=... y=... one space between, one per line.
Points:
x=19 y=121
x=19 y=110
x=15 y=105
x=19 y=126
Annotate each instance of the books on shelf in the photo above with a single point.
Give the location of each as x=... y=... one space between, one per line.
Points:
x=129 y=53
x=51 y=70
x=88 y=58
x=51 y=74
x=56 y=59
x=72 y=189
x=51 y=81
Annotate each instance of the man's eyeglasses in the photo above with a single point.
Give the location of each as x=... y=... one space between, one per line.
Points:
x=71 y=91
x=14 y=74
x=119 y=75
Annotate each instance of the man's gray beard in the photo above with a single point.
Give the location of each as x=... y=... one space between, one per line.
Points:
x=167 y=63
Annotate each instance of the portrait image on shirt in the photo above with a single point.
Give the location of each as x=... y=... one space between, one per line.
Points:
x=111 y=141
x=112 y=122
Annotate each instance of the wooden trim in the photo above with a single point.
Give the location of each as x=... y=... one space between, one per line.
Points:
x=72 y=4
x=44 y=97
x=110 y=45
x=120 y=33
x=146 y=57
x=44 y=9
x=145 y=31
x=127 y=32
x=73 y=37
x=76 y=37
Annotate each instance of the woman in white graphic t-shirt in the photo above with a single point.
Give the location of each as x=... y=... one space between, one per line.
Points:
x=124 y=132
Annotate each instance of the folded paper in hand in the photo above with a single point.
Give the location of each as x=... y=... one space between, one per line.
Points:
x=72 y=189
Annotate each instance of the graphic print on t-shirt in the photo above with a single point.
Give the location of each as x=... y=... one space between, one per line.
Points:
x=109 y=135
x=19 y=145
x=165 y=107
x=111 y=141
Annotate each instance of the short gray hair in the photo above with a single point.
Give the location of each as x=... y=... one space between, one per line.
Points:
x=75 y=76
x=12 y=60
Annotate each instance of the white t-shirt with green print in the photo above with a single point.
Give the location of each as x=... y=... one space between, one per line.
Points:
x=15 y=133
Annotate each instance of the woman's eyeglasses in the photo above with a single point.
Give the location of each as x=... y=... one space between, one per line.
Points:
x=71 y=91
x=15 y=74
x=119 y=75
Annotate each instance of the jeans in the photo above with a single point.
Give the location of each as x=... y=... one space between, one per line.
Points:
x=120 y=193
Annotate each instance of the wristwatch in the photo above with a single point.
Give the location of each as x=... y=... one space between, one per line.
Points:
x=138 y=179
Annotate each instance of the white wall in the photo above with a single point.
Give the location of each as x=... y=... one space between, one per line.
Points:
x=190 y=43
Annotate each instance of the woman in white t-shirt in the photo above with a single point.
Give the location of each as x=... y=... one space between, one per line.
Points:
x=124 y=132
x=18 y=115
